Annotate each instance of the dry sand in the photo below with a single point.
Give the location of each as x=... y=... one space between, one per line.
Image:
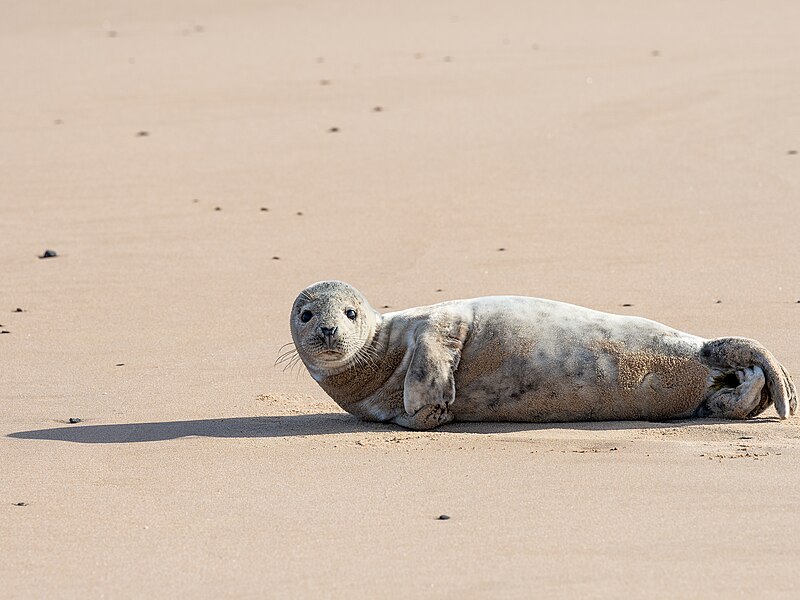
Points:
x=629 y=153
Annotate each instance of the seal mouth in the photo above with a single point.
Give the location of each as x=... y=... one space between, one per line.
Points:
x=329 y=354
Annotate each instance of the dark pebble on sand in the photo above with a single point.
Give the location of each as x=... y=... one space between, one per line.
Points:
x=217 y=208
x=792 y=152
x=119 y=365
x=377 y=109
x=276 y=258
x=4 y=331
x=49 y=254
x=385 y=306
x=627 y=304
x=439 y=290
x=264 y=209
x=333 y=130
x=443 y=517
x=18 y=310
x=299 y=214
x=501 y=249
x=74 y=420
x=142 y=133
x=20 y=504
x=797 y=302
x=718 y=302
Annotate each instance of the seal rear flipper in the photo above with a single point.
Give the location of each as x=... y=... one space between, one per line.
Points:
x=745 y=379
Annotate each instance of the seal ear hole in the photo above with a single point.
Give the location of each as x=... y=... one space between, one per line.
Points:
x=351 y=314
x=306 y=315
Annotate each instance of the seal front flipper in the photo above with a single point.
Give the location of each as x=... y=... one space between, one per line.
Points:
x=427 y=417
x=430 y=377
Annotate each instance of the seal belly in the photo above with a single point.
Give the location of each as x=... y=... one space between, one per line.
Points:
x=525 y=361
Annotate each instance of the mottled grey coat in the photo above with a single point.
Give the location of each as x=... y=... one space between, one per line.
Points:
x=512 y=358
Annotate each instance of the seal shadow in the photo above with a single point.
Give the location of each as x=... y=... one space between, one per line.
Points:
x=307 y=425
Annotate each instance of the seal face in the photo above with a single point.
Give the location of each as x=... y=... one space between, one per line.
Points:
x=513 y=358
x=331 y=324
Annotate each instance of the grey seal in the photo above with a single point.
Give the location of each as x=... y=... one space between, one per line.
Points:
x=515 y=358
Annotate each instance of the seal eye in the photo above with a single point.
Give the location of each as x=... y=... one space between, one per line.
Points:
x=305 y=316
x=351 y=314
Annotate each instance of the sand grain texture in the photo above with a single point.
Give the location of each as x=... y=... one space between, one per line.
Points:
x=620 y=154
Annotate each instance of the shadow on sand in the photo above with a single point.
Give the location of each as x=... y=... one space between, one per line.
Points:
x=300 y=425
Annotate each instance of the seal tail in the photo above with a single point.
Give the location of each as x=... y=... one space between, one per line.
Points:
x=731 y=357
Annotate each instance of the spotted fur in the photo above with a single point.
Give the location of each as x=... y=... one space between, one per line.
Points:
x=513 y=358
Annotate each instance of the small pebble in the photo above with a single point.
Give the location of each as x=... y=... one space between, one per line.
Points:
x=718 y=302
x=20 y=504
x=217 y=208
x=333 y=130
x=195 y=201
x=142 y=133
x=439 y=290
x=4 y=331
x=385 y=306
x=627 y=304
x=264 y=209
x=49 y=254
x=299 y=214
x=792 y=152
x=119 y=365
x=18 y=310
x=74 y=420
x=276 y=258
x=377 y=109
x=443 y=517
x=501 y=249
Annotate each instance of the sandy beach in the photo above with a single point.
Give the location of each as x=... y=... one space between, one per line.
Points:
x=194 y=165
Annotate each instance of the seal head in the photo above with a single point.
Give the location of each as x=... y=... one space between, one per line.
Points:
x=331 y=324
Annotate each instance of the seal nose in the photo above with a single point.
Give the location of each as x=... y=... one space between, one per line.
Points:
x=328 y=331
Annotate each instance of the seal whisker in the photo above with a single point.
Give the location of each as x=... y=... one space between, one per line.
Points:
x=285 y=356
x=291 y=364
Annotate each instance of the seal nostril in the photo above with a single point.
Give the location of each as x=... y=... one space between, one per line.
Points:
x=328 y=331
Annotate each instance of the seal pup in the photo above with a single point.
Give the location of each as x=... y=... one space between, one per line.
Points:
x=514 y=358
